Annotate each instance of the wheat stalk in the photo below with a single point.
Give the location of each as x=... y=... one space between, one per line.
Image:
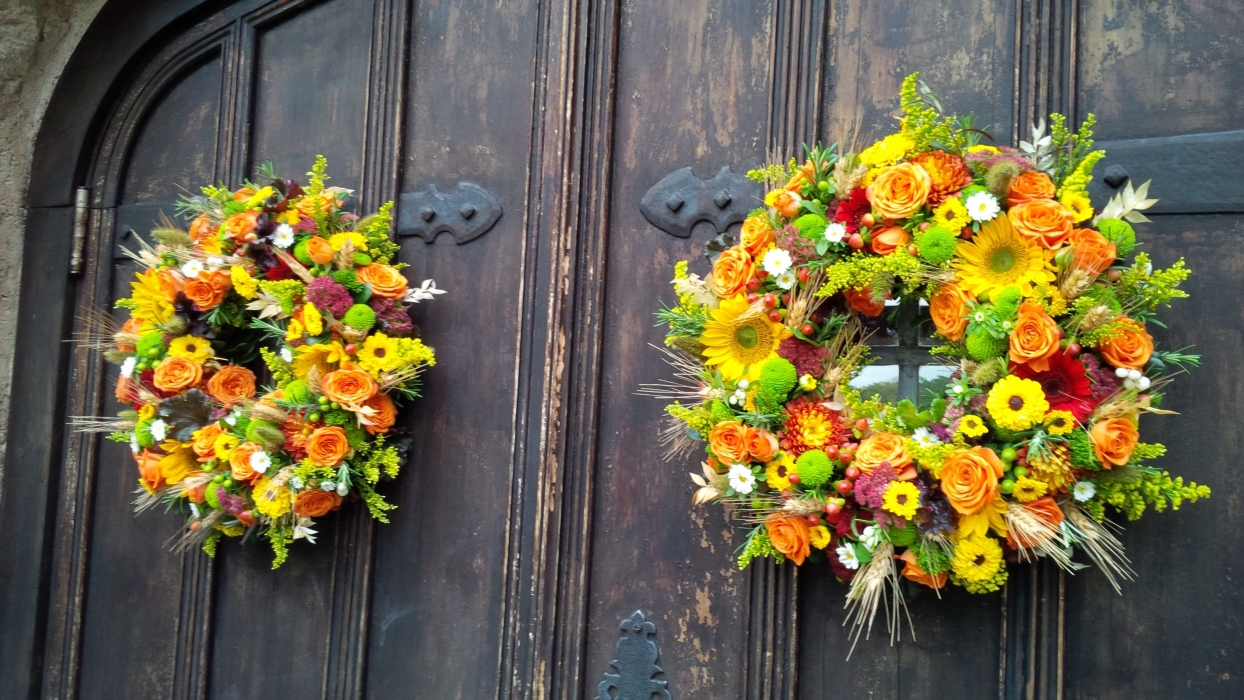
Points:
x=875 y=585
x=1101 y=546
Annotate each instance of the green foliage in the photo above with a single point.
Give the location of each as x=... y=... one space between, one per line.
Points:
x=860 y=270
x=814 y=469
x=697 y=417
x=685 y=319
x=931 y=556
x=338 y=418
x=1136 y=489
x=376 y=505
x=121 y=436
x=267 y=434
x=152 y=341
x=1145 y=451
x=379 y=459
x=280 y=537
x=209 y=545
x=1082 y=453
x=922 y=119
x=287 y=292
x=282 y=371
x=1144 y=291
x=758 y=545
x=376 y=229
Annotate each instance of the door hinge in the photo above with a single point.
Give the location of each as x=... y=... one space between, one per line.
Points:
x=81 y=220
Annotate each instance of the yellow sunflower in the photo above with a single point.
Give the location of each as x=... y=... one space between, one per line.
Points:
x=1060 y=422
x=380 y=354
x=1017 y=404
x=738 y=339
x=901 y=498
x=151 y=306
x=777 y=472
x=977 y=559
x=193 y=347
x=951 y=214
x=997 y=258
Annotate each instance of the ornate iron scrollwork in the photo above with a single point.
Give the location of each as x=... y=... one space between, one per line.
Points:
x=635 y=664
x=681 y=200
x=466 y=213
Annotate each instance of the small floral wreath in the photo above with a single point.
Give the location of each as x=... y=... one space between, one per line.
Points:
x=1043 y=321
x=280 y=275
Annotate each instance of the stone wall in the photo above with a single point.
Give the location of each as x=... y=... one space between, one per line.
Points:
x=36 y=39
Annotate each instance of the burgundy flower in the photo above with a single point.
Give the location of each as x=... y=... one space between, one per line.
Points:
x=792 y=241
x=870 y=487
x=329 y=296
x=851 y=209
x=806 y=357
x=1065 y=385
x=391 y=317
x=1103 y=379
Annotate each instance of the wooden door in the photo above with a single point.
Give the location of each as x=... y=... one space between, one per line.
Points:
x=536 y=513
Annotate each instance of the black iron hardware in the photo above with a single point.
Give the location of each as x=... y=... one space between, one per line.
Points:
x=681 y=200
x=635 y=663
x=1115 y=177
x=466 y=213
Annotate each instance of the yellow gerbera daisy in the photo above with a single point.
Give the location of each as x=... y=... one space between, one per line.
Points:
x=979 y=523
x=1078 y=204
x=191 y=346
x=977 y=559
x=777 y=472
x=951 y=214
x=294 y=330
x=223 y=447
x=997 y=258
x=1060 y=422
x=738 y=339
x=901 y=498
x=380 y=354
x=1028 y=490
x=972 y=426
x=178 y=463
x=1017 y=404
x=151 y=306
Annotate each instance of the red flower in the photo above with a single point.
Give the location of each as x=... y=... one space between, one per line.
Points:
x=1065 y=384
x=851 y=209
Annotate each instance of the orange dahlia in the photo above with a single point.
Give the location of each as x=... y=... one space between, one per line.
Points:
x=811 y=425
x=947 y=171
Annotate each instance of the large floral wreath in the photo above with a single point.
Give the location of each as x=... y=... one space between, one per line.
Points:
x=278 y=275
x=1043 y=319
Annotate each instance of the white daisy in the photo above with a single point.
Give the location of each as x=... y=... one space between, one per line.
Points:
x=835 y=232
x=925 y=437
x=287 y=355
x=741 y=479
x=260 y=461
x=846 y=555
x=776 y=261
x=159 y=430
x=127 y=367
x=1083 y=490
x=192 y=268
x=284 y=236
x=786 y=280
x=983 y=206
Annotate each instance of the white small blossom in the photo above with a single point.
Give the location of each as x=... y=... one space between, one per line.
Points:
x=159 y=430
x=983 y=206
x=1083 y=490
x=302 y=529
x=215 y=262
x=286 y=355
x=776 y=261
x=958 y=389
x=134 y=443
x=1121 y=372
x=423 y=292
x=925 y=437
x=296 y=482
x=232 y=419
x=741 y=479
x=194 y=510
x=192 y=268
x=846 y=555
x=835 y=232
x=871 y=537
x=342 y=489
x=284 y=236
x=127 y=367
x=786 y=280
x=328 y=486
x=979 y=316
x=743 y=384
x=260 y=461
x=1143 y=383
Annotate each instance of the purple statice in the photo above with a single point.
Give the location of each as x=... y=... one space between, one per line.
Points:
x=329 y=296
x=792 y=241
x=806 y=357
x=391 y=317
x=1103 y=380
x=870 y=487
x=942 y=432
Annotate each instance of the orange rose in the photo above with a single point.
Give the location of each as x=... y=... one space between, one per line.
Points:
x=787 y=203
x=171 y=283
x=240 y=462
x=761 y=444
x=320 y=250
x=1029 y=186
x=915 y=573
x=328 y=446
x=1035 y=338
x=1129 y=348
x=208 y=289
x=126 y=391
x=970 y=478
x=791 y=536
x=1092 y=251
x=204 y=444
x=756 y=235
x=728 y=441
x=900 y=191
x=384 y=280
x=126 y=337
x=1044 y=508
x=948 y=307
x=803 y=175
x=1113 y=441
x=149 y=474
x=889 y=240
x=732 y=271
x=232 y=384
x=316 y=502
x=241 y=227
x=862 y=301
x=885 y=447
x=177 y=374
x=348 y=386
x=202 y=228
x=1045 y=221
x=385 y=415
x=242 y=194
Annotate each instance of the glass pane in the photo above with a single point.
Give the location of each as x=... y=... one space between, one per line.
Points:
x=933 y=383
x=878 y=379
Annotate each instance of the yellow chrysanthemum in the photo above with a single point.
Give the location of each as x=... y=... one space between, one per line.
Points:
x=243 y=283
x=972 y=426
x=223 y=447
x=1060 y=422
x=323 y=356
x=819 y=536
x=414 y=352
x=1078 y=204
x=380 y=354
x=738 y=339
x=988 y=517
x=1017 y=404
x=312 y=319
x=997 y=258
x=339 y=239
x=151 y=306
x=1028 y=490
x=179 y=462
x=951 y=214
x=977 y=559
x=777 y=472
x=272 y=502
x=294 y=330
x=257 y=199
x=232 y=530
x=191 y=346
x=901 y=498
x=1053 y=466
x=887 y=151
x=147 y=412
x=982 y=148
